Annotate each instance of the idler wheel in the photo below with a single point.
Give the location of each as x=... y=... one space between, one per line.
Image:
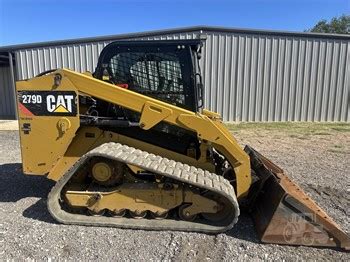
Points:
x=96 y=213
x=222 y=213
x=185 y=215
x=107 y=173
x=138 y=214
x=160 y=215
x=118 y=213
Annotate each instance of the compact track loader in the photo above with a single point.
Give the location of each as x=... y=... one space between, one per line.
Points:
x=131 y=146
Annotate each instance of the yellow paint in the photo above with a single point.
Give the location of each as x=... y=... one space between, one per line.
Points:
x=61 y=109
x=46 y=143
x=59 y=153
x=138 y=197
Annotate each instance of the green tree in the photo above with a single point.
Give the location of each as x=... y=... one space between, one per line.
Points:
x=337 y=25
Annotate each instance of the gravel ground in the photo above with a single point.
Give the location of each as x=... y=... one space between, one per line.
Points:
x=317 y=160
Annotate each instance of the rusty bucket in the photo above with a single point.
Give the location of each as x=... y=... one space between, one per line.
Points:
x=284 y=214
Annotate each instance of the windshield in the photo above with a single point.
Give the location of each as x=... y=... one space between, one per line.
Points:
x=150 y=73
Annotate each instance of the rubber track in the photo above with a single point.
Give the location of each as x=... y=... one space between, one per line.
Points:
x=155 y=164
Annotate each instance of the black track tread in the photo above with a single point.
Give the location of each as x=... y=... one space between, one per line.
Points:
x=156 y=164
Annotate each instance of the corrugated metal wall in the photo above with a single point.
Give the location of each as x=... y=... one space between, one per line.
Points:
x=247 y=77
x=80 y=57
x=255 y=78
x=7 y=108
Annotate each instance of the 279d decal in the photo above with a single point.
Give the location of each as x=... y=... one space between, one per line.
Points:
x=47 y=103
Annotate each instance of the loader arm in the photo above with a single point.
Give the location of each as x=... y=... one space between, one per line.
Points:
x=207 y=125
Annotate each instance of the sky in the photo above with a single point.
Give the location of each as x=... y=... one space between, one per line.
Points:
x=28 y=21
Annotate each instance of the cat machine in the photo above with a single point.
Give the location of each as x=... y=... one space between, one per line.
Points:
x=131 y=146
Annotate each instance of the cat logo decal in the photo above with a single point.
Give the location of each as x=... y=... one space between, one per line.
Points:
x=47 y=103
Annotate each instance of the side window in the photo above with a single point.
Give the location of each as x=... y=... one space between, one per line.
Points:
x=158 y=75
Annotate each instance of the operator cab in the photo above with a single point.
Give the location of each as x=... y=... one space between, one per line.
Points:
x=165 y=70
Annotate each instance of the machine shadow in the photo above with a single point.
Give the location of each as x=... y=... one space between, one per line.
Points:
x=39 y=211
x=14 y=186
x=244 y=229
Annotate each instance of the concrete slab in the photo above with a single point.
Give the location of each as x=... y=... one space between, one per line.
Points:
x=8 y=125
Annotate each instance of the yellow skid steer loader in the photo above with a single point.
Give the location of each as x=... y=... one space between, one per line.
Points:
x=131 y=146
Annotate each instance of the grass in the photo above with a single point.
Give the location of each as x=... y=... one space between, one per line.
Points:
x=326 y=133
x=320 y=133
x=338 y=151
x=341 y=129
x=293 y=128
x=338 y=146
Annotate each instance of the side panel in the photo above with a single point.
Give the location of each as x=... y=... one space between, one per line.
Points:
x=48 y=119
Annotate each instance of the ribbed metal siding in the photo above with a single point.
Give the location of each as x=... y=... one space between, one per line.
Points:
x=247 y=77
x=81 y=57
x=7 y=109
x=255 y=78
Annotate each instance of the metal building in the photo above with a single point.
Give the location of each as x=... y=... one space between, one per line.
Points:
x=249 y=75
